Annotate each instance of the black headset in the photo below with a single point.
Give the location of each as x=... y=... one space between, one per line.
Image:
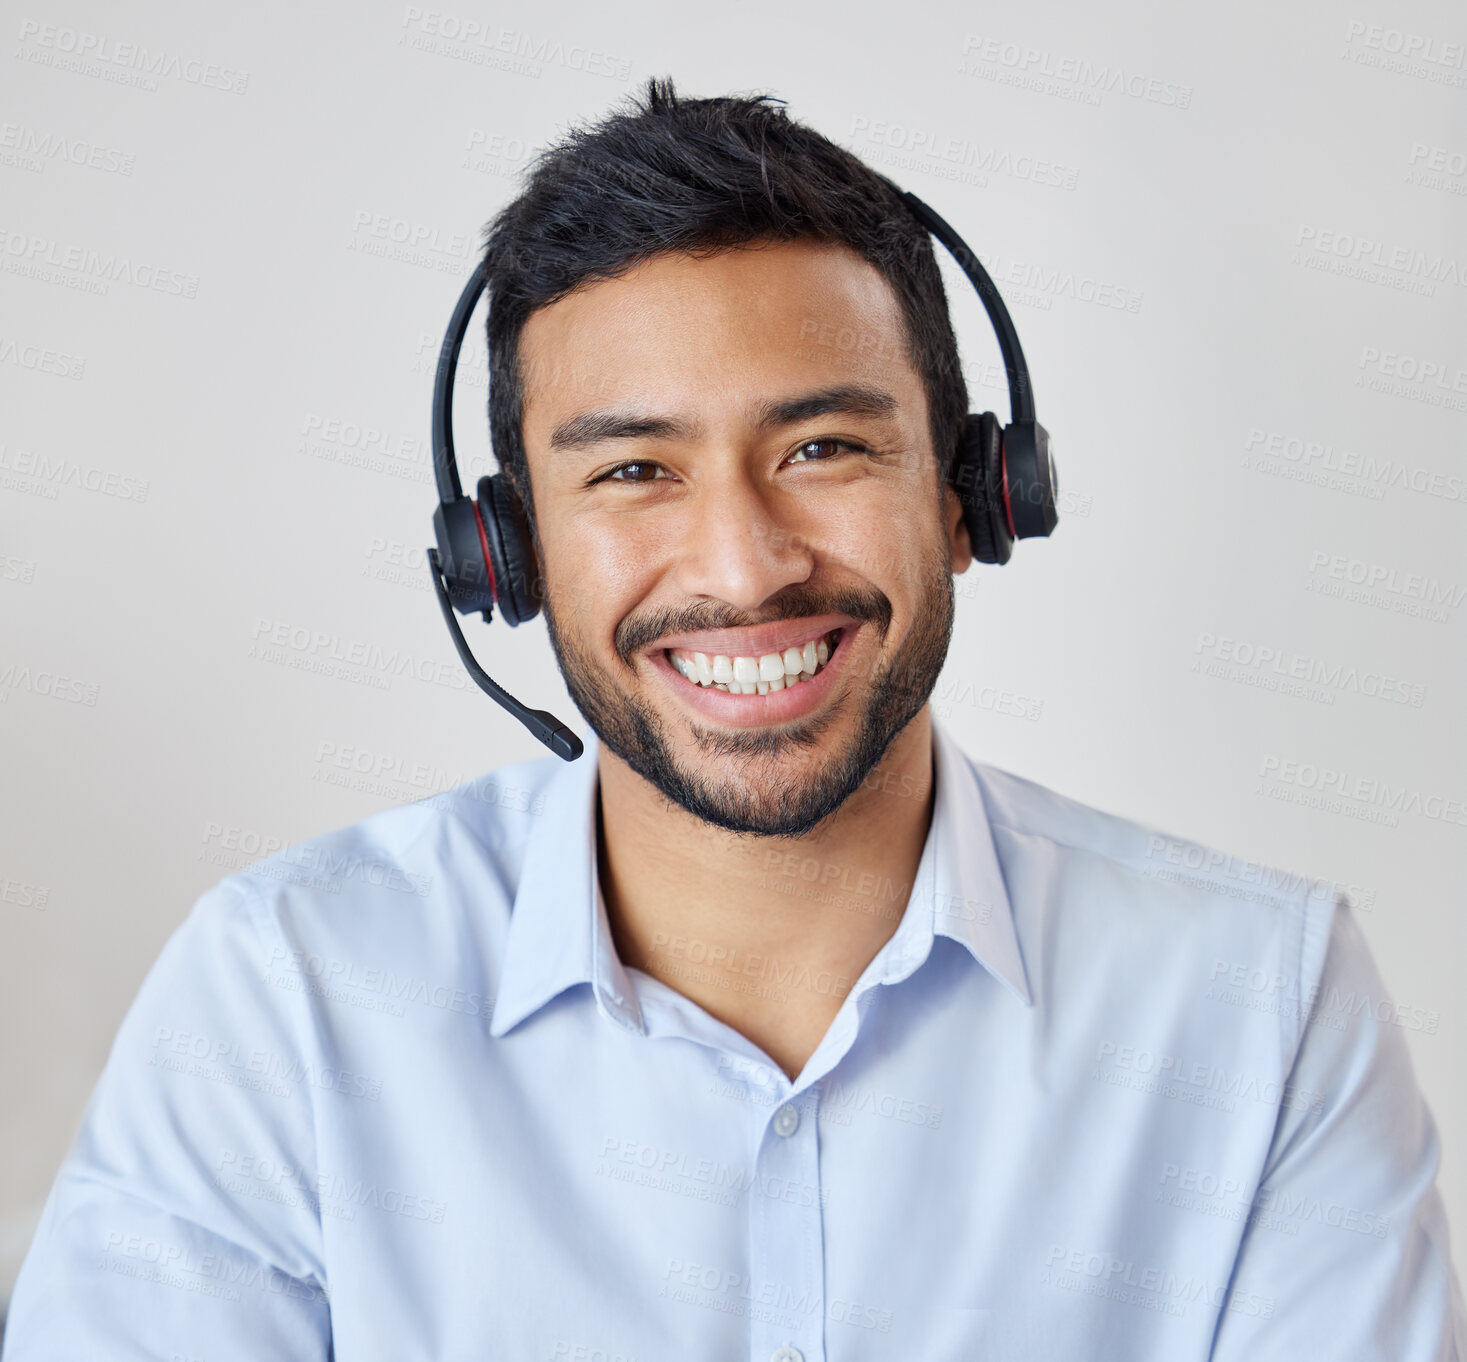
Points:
x=1004 y=476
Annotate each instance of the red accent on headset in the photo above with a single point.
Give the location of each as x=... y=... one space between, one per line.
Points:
x=484 y=544
x=1003 y=468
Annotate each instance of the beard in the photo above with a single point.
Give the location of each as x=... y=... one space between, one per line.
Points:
x=746 y=801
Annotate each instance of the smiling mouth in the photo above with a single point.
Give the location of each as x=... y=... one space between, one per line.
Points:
x=749 y=675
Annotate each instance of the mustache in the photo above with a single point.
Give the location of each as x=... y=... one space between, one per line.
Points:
x=796 y=601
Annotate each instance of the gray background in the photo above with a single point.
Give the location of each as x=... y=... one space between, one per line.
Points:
x=1225 y=237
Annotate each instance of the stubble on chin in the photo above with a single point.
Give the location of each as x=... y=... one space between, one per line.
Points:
x=744 y=799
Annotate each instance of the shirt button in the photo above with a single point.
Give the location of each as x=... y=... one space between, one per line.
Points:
x=787 y=1354
x=785 y=1121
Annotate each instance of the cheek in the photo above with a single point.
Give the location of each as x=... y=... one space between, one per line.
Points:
x=888 y=542
x=595 y=574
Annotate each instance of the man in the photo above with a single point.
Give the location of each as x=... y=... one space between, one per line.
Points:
x=774 y=1027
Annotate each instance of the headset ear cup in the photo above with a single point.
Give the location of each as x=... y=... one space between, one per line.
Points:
x=516 y=570
x=968 y=481
x=978 y=480
x=991 y=439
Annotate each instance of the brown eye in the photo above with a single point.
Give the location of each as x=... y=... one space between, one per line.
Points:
x=635 y=472
x=808 y=452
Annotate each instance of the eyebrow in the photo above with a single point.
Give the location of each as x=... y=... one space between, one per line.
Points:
x=594 y=427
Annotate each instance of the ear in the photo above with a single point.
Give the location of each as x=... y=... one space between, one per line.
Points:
x=957 y=529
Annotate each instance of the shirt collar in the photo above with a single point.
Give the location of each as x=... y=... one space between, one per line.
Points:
x=559 y=933
x=970 y=900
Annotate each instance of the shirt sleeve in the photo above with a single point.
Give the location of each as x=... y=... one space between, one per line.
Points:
x=1345 y=1254
x=181 y=1223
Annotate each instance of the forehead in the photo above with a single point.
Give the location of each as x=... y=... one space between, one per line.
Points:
x=682 y=328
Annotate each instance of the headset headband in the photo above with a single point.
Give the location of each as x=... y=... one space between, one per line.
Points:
x=1021 y=388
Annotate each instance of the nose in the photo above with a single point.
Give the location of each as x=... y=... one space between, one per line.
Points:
x=738 y=547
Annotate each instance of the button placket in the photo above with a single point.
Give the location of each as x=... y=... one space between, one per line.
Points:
x=787 y=1323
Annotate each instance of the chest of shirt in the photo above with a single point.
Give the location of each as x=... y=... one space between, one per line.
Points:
x=964 y=1182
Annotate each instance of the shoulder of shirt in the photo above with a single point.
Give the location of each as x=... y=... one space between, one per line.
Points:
x=1033 y=810
x=405 y=847
x=1220 y=896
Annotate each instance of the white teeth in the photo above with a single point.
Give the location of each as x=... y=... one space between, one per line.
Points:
x=753 y=675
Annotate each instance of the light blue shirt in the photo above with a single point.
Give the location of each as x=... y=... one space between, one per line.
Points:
x=390 y=1094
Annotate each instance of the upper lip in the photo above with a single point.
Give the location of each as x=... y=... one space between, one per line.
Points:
x=758 y=639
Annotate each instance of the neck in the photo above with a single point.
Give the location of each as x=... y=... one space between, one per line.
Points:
x=768 y=934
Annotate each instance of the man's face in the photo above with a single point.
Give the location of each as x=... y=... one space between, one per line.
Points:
x=730 y=456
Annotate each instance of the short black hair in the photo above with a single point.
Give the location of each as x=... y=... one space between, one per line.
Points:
x=671 y=173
